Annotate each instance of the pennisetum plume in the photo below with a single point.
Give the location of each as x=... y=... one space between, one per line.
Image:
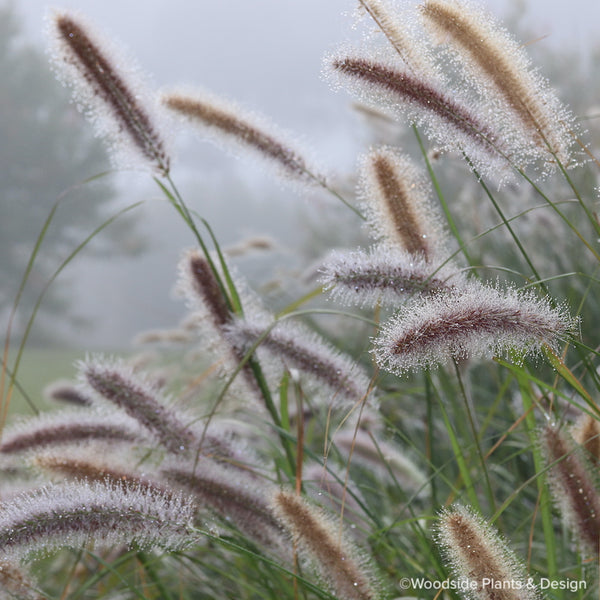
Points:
x=140 y=399
x=121 y=111
x=586 y=432
x=572 y=486
x=499 y=66
x=233 y=128
x=294 y=346
x=476 y=553
x=383 y=275
x=474 y=321
x=397 y=202
x=98 y=513
x=318 y=540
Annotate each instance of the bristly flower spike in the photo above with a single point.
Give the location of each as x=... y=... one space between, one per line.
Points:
x=500 y=66
x=119 y=385
x=296 y=347
x=85 y=63
x=318 y=540
x=476 y=553
x=229 y=126
x=573 y=487
x=383 y=275
x=586 y=432
x=473 y=321
x=397 y=203
x=105 y=514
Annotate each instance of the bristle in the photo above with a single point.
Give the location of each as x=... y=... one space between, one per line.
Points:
x=342 y=570
x=100 y=83
x=67 y=392
x=573 y=487
x=226 y=122
x=474 y=321
x=477 y=553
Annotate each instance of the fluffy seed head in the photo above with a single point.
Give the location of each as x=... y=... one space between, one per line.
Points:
x=476 y=553
x=396 y=198
x=318 y=540
x=383 y=275
x=84 y=61
x=573 y=487
x=500 y=67
x=296 y=347
x=475 y=321
x=101 y=513
x=118 y=384
x=230 y=126
x=586 y=432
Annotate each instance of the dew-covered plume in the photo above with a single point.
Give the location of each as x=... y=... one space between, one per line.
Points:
x=101 y=514
x=475 y=552
x=343 y=569
x=573 y=487
x=111 y=93
x=472 y=322
x=235 y=129
x=336 y=377
x=139 y=398
x=499 y=66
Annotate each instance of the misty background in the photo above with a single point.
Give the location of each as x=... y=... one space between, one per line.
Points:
x=267 y=55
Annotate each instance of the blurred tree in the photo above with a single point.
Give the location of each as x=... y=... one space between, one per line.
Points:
x=46 y=149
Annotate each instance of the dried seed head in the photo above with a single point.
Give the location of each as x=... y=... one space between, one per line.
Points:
x=100 y=83
x=397 y=202
x=140 y=399
x=572 y=486
x=318 y=540
x=103 y=514
x=231 y=127
x=499 y=66
x=475 y=321
x=383 y=275
x=476 y=553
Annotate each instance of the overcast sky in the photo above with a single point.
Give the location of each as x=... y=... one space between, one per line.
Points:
x=267 y=54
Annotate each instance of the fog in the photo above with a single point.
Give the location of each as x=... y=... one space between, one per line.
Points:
x=266 y=54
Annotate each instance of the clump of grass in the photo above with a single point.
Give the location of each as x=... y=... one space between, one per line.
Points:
x=433 y=405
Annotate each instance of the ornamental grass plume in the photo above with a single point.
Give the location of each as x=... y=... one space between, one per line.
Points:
x=383 y=276
x=476 y=553
x=586 y=432
x=336 y=377
x=474 y=321
x=573 y=487
x=100 y=83
x=499 y=65
x=71 y=427
x=397 y=202
x=235 y=494
x=140 y=399
x=317 y=539
x=99 y=513
x=231 y=127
